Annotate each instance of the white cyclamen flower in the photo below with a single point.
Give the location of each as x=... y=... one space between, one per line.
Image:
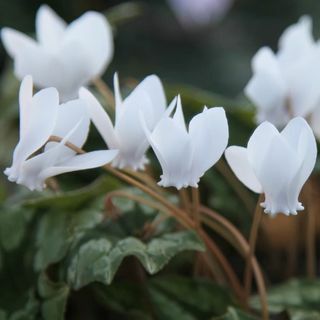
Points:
x=127 y=134
x=41 y=116
x=287 y=84
x=64 y=56
x=276 y=164
x=185 y=155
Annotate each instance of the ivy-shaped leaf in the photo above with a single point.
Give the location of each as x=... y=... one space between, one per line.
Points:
x=57 y=231
x=54 y=298
x=99 y=259
x=235 y=314
x=300 y=298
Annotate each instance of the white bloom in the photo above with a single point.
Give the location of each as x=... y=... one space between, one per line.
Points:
x=64 y=56
x=185 y=155
x=127 y=134
x=41 y=116
x=287 y=84
x=197 y=13
x=276 y=164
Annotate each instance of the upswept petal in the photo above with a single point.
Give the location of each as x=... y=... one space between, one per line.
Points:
x=178 y=116
x=295 y=42
x=153 y=86
x=70 y=115
x=94 y=33
x=209 y=136
x=266 y=91
x=50 y=28
x=32 y=168
x=265 y=60
x=25 y=102
x=267 y=88
x=45 y=106
x=238 y=161
x=117 y=97
x=303 y=79
x=15 y=41
x=258 y=144
x=173 y=145
x=300 y=136
x=275 y=174
x=99 y=117
x=85 y=161
x=131 y=137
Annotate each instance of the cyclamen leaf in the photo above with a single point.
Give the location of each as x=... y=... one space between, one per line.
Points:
x=234 y=314
x=76 y=198
x=13 y=223
x=54 y=297
x=99 y=259
x=300 y=298
x=57 y=231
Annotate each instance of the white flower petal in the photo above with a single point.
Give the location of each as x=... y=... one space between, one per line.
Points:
x=209 y=138
x=275 y=172
x=301 y=138
x=94 y=33
x=50 y=28
x=304 y=81
x=153 y=87
x=70 y=115
x=266 y=89
x=25 y=102
x=117 y=95
x=132 y=140
x=43 y=113
x=99 y=117
x=259 y=142
x=178 y=116
x=173 y=145
x=238 y=161
x=85 y=161
x=15 y=41
x=295 y=42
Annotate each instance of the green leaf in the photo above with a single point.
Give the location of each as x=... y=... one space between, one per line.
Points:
x=199 y=295
x=13 y=223
x=29 y=311
x=54 y=297
x=300 y=298
x=235 y=314
x=167 y=308
x=57 y=230
x=75 y=199
x=99 y=259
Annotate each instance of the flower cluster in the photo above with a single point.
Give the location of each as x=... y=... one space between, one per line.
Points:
x=66 y=58
x=287 y=84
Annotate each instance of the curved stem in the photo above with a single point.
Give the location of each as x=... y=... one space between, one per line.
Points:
x=234 y=281
x=240 y=241
x=195 y=207
x=311 y=231
x=252 y=245
x=184 y=199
